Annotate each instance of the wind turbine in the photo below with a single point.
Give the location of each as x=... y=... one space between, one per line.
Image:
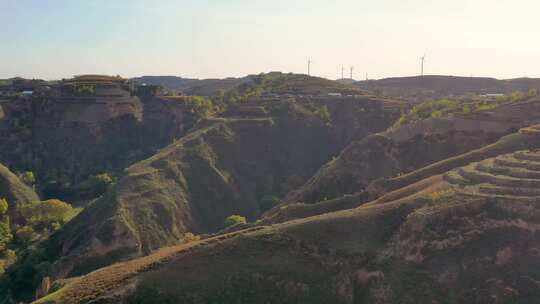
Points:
x=342 y=72
x=422 y=59
x=352 y=68
x=309 y=62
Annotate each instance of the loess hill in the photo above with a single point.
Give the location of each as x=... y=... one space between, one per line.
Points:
x=462 y=230
x=407 y=147
x=223 y=167
x=368 y=226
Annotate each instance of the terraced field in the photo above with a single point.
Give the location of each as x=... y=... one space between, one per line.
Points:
x=532 y=130
x=514 y=176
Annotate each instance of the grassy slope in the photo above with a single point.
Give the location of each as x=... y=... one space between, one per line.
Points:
x=409 y=246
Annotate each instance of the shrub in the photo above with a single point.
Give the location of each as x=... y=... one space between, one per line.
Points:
x=28 y=178
x=3 y=206
x=93 y=186
x=25 y=234
x=436 y=114
x=202 y=106
x=5 y=230
x=324 y=114
x=47 y=215
x=234 y=220
x=101 y=182
x=190 y=237
x=432 y=108
x=439 y=196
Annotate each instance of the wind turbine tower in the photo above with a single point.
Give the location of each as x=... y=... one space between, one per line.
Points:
x=309 y=62
x=342 y=72
x=352 y=68
x=422 y=59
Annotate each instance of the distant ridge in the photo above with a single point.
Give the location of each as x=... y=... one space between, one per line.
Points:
x=191 y=86
x=434 y=86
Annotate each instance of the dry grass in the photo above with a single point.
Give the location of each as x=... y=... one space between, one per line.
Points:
x=101 y=281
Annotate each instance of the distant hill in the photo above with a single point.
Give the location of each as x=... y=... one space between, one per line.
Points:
x=293 y=84
x=427 y=87
x=273 y=82
x=191 y=86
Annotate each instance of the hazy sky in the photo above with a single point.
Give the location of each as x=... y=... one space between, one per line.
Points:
x=219 y=38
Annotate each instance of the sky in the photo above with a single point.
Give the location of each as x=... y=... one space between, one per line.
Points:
x=53 y=39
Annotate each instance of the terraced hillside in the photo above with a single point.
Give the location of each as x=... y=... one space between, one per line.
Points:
x=469 y=235
x=398 y=151
x=513 y=176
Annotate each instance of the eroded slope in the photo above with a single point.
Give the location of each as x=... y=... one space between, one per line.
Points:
x=444 y=239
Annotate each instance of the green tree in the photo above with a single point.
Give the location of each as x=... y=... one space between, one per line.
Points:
x=101 y=182
x=234 y=220
x=190 y=237
x=5 y=229
x=436 y=114
x=324 y=114
x=3 y=206
x=45 y=216
x=28 y=178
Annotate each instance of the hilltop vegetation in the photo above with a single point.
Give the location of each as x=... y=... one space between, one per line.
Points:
x=277 y=83
x=460 y=107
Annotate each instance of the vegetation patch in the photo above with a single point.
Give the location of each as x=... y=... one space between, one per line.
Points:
x=460 y=107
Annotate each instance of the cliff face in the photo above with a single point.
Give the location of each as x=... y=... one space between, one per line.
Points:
x=65 y=141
